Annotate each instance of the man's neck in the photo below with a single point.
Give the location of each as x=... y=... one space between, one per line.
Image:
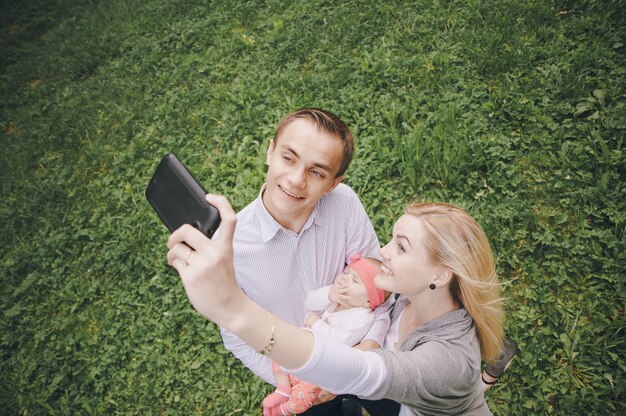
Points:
x=295 y=223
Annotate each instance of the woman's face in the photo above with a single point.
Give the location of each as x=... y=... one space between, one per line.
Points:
x=407 y=267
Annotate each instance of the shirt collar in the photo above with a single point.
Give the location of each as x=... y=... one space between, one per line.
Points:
x=269 y=226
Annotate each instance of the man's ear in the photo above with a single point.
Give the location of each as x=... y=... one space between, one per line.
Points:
x=336 y=182
x=270 y=150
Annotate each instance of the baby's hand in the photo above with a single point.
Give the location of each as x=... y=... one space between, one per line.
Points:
x=338 y=292
x=310 y=319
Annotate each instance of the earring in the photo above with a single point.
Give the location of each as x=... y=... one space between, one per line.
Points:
x=432 y=286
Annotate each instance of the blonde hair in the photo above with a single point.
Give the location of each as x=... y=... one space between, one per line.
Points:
x=457 y=242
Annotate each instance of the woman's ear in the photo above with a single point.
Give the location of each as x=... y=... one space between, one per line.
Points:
x=443 y=277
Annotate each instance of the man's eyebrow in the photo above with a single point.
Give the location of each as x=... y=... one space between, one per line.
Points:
x=323 y=166
x=290 y=150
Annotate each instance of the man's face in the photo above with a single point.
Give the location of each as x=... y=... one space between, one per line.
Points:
x=302 y=164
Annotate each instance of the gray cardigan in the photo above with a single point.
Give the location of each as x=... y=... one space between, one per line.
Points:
x=440 y=374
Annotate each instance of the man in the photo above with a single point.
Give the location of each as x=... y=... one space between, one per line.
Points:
x=302 y=229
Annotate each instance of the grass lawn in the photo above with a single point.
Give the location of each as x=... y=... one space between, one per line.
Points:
x=515 y=110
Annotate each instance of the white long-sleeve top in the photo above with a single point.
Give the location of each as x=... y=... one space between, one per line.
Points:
x=436 y=370
x=347 y=326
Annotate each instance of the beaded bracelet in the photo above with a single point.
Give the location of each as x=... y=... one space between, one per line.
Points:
x=270 y=344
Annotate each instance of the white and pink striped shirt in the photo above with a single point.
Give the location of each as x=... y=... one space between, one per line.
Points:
x=277 y=267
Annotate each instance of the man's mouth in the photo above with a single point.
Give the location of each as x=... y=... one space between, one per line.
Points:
x=290 y=194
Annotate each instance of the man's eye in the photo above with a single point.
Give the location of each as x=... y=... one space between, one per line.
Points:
x=316 y=173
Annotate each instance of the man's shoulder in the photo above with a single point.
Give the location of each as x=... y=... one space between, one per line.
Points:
x=341 y=194
x=340 y=204
x=247 y=221
x=247 y=211
x=344 y=190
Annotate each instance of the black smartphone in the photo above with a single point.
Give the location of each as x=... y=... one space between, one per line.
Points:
x=178 y=198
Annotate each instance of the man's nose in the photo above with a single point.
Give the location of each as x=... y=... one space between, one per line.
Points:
x=298 y=178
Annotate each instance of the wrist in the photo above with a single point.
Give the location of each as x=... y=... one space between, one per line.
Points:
x=237 y=313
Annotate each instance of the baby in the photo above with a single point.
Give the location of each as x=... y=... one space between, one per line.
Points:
x=347 y=313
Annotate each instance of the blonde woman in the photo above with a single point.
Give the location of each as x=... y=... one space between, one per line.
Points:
x=448 y=317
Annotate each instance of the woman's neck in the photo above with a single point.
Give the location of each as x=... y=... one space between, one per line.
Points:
x=429 y=306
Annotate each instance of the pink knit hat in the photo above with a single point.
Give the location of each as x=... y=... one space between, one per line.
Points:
x=368 y=271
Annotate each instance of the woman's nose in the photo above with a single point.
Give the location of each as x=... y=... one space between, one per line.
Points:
x=384 y=250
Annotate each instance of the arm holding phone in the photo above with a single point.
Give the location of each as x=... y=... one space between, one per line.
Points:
x=206 y=270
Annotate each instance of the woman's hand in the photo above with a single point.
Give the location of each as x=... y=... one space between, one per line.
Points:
x=206 y=266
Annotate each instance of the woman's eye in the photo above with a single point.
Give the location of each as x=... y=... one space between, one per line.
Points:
x=401 y=248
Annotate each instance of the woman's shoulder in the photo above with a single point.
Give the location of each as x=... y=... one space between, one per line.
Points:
x=432 y=359
x=445 y=360
x=443 y=351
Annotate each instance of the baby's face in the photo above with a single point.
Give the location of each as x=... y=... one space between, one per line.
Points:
x=354 y=287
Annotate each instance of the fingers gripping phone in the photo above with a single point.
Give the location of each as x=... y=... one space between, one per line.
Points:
x=178 y=198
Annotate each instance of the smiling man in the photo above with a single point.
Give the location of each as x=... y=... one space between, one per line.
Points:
x=303 y=162
x=303 y=228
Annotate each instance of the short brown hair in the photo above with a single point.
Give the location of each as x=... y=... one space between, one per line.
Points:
x=326 y=122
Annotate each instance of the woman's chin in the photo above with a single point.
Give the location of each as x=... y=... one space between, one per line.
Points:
x=383 y=282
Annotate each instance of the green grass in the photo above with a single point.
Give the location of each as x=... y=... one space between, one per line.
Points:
x=514 y=110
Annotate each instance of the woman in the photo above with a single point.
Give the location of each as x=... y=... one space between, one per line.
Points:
x=449 y=313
